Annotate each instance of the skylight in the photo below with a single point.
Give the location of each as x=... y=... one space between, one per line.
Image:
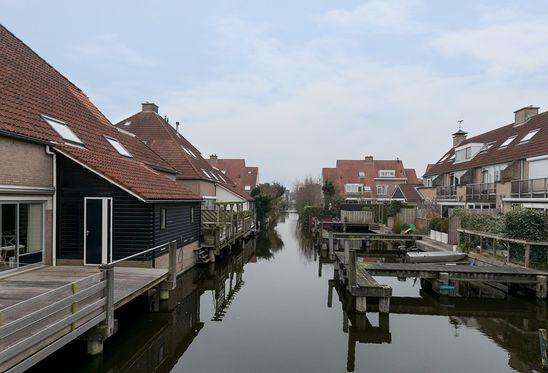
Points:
x=118 y=147
x=206 y=173
x=487 y=146
x=63 y=130
x=222 y=178
x=214 y=176
x=529 y=136
x=443 y=159
x=507 y=142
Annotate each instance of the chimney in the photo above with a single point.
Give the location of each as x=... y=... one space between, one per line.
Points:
x=368 y=159
x=149 y=106
x=459 y=137
x=522 y=115
x=213 y=159
x=177 y=127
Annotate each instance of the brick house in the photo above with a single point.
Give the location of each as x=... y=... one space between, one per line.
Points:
x=369 y=179
x=500 y=168
x=245 y=177
x=74 y=189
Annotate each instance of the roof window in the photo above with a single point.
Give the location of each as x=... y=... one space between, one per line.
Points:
x=118 y=147
x=507 y=142
x=529 y=136
x=247 y=187
x=63 y=130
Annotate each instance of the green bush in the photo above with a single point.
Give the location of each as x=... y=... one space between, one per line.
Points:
x=439 y=224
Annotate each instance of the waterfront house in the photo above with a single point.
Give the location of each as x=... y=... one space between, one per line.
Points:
x=245 y=177
x=227 y=212
x=500 y=168
x=368 y=180
x=408 y=194
x=74 y=189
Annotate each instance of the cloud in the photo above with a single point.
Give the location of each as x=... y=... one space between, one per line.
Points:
x=292 y=108
x=388 y=16
x=507 y=45
x=109 y=50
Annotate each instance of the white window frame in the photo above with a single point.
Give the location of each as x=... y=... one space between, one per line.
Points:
x=247 y=188
x=383 y=190
x=507 y=142
x=117 y=145
x=63 y=130
x=361 y=173
x=529 y=136
x=353 y=188
x=387 y=173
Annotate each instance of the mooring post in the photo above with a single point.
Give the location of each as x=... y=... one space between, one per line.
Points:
x=330 y=294
x=361 y=304
x=345 y=322
x=97 y=335
x=346 y=251
x=172 y=277
x=543 y=347
x=384 y=305
x=542 y=287
x=527 y=255
x=351 y=270
x=331 y=244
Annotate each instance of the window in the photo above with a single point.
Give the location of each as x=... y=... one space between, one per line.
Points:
x=192 y=214
x=63 y=130
x=507 y=142
x=189 y=152
x=206 y=173
x=208 y=203
x=353 y=188
x=487 y=146
x=469 y=152
x=443 y=158
x=247 y=188
x=118 y=147
x=366 y=188
x=382 y=190
x=387 y=173
x=529 y=136
x=163 y=218
x=361 y=174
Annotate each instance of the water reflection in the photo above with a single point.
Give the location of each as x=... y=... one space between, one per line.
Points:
x=512 y=323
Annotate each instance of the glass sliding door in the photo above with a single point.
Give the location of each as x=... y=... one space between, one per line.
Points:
x=21 y=234
x=30 y=233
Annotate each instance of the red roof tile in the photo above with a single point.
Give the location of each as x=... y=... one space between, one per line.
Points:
x=409 y=192
x=538 y=145
x=236 y=169
x=184 y=157
x=30 y=87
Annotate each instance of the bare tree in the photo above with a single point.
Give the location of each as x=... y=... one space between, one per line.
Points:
x=307 y=192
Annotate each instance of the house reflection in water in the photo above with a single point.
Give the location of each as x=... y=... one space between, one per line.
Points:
x=512 y=325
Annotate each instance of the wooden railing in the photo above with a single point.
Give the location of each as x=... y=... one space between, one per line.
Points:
x=529 y=188
x=446 y=192
x=32 y=329
x=481 y=192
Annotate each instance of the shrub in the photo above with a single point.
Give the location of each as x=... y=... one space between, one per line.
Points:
x=439 y=224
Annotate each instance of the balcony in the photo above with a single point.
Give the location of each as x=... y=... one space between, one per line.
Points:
x=446 y=192
x=530 y=188
x=481 y=192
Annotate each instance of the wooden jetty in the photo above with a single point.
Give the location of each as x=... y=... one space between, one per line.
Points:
x=43 y=308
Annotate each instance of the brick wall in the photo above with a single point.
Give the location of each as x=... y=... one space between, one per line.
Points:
x=24 y=164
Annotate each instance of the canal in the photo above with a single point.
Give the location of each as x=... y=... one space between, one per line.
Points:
x=265 y=309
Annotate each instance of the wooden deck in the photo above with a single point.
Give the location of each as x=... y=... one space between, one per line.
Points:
x=508 y=274
x=44 y=308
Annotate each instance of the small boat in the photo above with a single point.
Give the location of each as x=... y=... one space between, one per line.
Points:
x=434 y=257
x=405 y=249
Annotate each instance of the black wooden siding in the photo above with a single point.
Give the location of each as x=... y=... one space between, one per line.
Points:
x=178 y=223
x=134 y=222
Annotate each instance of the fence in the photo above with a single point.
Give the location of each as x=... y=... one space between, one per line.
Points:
x=357 y=217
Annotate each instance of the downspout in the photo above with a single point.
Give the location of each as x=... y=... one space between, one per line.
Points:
x=54 y=210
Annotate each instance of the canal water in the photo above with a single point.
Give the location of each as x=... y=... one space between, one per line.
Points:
x=265 y=309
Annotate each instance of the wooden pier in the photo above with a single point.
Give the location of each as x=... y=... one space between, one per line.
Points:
x=43 y=308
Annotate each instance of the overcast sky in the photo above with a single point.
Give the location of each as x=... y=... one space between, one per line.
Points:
x=294 y=85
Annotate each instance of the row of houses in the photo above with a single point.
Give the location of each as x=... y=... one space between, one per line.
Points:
x=498 y=169
x=76 y=189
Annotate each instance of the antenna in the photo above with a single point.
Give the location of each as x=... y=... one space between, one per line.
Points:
x=460 y=123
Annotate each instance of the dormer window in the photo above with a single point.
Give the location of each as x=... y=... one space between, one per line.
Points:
x=507 y=142
x=247 y=188
x=63 y=130
x=118 y=147
x=361 y=174
x=387 y=173
x=529 y=136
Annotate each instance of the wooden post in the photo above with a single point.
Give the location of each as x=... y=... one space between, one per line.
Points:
x=527 y=255
x=330 y=294
x=331 y=249
x=351 y=269
x=108 y=272
x=542 y=287
x=172 y=275
x=346 y=251
x=543 y=347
